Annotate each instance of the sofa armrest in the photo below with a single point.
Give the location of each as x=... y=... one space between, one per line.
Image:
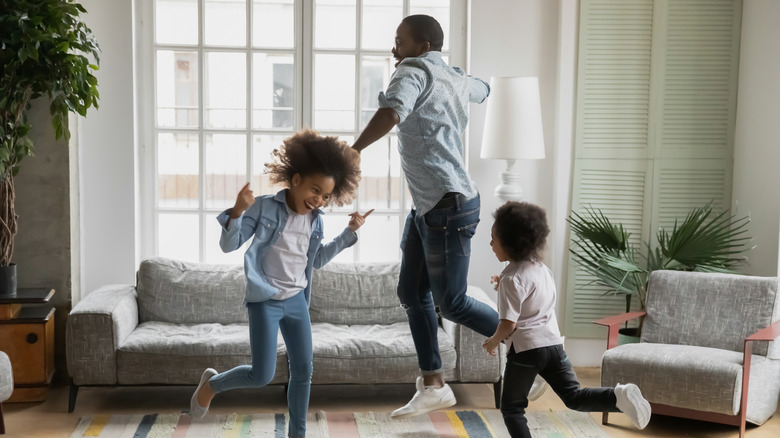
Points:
x=474 y=364
x=95 y=329
x=613 y=322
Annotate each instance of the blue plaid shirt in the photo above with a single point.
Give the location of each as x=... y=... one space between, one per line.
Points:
x=431 y=99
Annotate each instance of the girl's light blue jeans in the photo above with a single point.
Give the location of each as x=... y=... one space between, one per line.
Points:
x=265 y=320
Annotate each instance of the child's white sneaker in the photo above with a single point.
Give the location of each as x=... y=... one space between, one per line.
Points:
x=196 y=410
x=537 y=389
x=426 y=399
x=630 y=402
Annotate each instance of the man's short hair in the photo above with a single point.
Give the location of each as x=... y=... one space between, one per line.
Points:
x=426 y=28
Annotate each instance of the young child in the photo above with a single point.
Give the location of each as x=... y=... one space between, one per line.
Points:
x=526 y=308
x=287 y=229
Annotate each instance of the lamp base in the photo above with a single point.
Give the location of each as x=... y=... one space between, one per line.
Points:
x=509 y=189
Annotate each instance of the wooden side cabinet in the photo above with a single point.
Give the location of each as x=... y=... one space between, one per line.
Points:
x=27 y=336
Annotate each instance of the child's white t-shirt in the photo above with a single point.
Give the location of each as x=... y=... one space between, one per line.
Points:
x=285 y=263
x=527 y=294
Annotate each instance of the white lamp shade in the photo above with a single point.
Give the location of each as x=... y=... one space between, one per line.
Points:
x=513 y=123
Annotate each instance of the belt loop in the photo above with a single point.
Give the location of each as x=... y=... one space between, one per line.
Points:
x=457 y=202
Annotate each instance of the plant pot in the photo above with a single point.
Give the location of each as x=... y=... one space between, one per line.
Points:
x=8 y=280
x=628 y=335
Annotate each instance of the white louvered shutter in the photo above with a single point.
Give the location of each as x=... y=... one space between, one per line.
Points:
x=656 y=102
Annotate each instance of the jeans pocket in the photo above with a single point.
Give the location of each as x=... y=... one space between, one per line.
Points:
x=465 y=234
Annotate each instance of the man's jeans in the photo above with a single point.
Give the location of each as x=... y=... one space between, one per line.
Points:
x=554 y=366
x=434 y=272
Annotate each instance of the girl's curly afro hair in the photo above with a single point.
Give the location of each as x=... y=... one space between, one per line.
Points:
x=522 y=229
x=309 y=153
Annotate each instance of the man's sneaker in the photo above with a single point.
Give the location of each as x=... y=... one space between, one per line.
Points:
x=631 y=403
x=537 y=389
x=426 y=399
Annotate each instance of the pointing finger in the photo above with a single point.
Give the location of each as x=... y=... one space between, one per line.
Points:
x=367 y=213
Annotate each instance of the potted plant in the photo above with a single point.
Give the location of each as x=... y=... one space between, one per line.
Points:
x=45 y=50
x=703 y=241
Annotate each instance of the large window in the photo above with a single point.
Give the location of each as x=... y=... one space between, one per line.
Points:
x=228 y=80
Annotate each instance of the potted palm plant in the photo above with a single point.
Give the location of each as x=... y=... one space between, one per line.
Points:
x=45 y=50
x=703 y=241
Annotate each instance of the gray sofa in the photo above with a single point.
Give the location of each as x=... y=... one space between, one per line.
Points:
x=183 y=317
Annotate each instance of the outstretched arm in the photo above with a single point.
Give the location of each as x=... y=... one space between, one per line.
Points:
x=383 y=121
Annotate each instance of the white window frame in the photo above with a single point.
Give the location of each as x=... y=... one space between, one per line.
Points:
x=146 y=110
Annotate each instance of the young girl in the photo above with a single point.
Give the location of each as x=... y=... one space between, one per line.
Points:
x=287 y=245
x=526 y=308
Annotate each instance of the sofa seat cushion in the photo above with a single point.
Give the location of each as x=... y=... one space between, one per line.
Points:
x=165 y=353
x=692 y=377
x=371 y=353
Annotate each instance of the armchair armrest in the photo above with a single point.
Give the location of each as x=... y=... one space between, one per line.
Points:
x=474 y=364
x=769 y=333
x=612 y=323
x=95 y=329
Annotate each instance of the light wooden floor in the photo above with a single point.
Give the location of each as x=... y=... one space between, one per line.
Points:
x=50 y=419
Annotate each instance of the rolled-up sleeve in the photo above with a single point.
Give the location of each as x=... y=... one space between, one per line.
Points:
x=406 y=85
x=237 y=230
x=479 y=90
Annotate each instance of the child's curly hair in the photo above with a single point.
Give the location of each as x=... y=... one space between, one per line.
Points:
x=307 y=152
x=522 y=230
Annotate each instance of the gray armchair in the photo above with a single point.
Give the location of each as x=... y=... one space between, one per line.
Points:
x=705 y=337
x=6 y=385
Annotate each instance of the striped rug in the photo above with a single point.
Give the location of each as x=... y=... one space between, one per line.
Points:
x=450 y=424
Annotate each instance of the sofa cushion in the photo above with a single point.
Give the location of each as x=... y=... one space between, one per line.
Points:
x=190 y=293
x=371 y=353
x=356 y=293
x=165 y=353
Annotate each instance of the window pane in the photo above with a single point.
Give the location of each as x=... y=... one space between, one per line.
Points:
x=225 y=169
x=333 y=225
x=380 y=183
x=177 y=170
x=178 y=236
x=273 y=91
x=334 y=92
x=334 y=24
x=263 y=146
x=375 y=74
x=213 y=252
x=438 y=9
x=177 y=89
x=379 y=238
x=176 y=21
x=225 y=90
x=273 y=23
x=380 y=20
x=225 y=22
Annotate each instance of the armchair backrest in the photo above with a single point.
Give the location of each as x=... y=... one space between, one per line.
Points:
x=710 y=310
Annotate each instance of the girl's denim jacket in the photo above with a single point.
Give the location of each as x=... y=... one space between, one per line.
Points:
x=265 y=220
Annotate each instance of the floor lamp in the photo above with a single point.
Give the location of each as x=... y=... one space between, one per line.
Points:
x=513 y=129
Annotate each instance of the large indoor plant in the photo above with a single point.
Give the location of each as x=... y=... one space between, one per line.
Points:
x=703 y=241
x=45 y=51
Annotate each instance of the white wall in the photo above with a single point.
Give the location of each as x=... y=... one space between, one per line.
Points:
x=757 y=135
x=107 y=154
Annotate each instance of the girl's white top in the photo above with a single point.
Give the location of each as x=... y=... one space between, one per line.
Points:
x=285 y=263
x=527 y=295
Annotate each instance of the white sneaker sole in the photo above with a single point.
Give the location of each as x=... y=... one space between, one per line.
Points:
x=443 y=405
x=640 y=407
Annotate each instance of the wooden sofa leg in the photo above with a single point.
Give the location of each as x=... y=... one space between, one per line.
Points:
x=497 y=392
x=72 y=394
x=2 y=421
x=605 y=418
